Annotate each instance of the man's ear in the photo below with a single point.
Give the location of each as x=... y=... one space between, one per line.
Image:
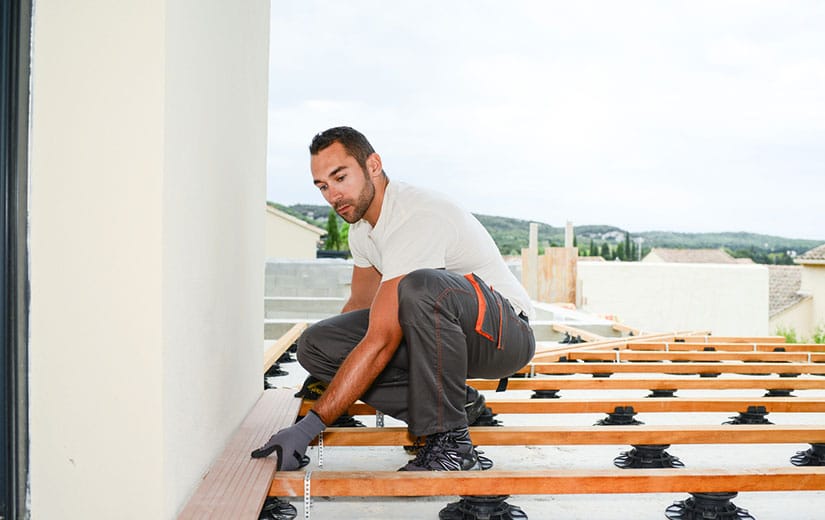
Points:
x=374 y=166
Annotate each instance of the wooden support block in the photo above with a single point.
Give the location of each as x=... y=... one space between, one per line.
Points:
x=593 y=435
x=675 y=368
x=547 y=482
x=654 y=383
x=236 y=484
x=274 y=352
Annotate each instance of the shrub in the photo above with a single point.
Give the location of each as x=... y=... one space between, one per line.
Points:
x=819 y=334
x=788 y=332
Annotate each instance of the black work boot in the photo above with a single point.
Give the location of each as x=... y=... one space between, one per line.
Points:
x=474 y=405
x=446 y=451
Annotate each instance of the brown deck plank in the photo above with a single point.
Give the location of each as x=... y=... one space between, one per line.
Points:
x=235 y=485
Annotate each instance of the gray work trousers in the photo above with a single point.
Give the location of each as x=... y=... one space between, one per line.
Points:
x=447 y=337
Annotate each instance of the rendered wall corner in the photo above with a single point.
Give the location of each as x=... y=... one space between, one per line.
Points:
x=147 y=175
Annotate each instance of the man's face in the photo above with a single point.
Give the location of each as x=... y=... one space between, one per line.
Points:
x=343 y=183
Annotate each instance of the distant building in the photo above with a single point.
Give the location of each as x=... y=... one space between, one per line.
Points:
x=290 y=237
x=798 y=295
x=807 y=314
x=692 y=256
x=789 y=307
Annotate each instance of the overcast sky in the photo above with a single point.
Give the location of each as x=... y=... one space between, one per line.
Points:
x=681 y=116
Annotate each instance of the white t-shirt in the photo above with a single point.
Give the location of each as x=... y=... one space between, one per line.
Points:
x=420 y=229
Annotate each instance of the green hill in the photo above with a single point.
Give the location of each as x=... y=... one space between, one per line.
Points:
x=511 y=235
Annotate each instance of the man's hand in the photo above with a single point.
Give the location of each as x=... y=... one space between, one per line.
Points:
x=291 y=443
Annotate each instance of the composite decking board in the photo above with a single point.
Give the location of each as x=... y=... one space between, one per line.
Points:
x=219 y=493
x=592 y=435
x=675 y=368
x=235 y=485
x=653 y=383
x=550 y=482
x=282 y=344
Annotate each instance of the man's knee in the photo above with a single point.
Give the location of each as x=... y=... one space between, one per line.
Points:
x=413 y=288
x=308 y=345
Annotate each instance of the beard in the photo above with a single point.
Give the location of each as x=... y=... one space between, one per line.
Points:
x=359 y=206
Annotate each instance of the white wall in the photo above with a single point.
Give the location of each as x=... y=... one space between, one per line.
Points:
x=813 y=283
x=725 y=299
x=147 y=178
x=798 y=317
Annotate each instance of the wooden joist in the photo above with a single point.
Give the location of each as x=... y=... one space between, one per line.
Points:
x=549 y=349
x=662 y=404
x=627 y=329
x=654 y=383
x=731 y=339
x=552 y=351
x=593 y=435
x=675 y=368
x=573 y=331
x=550 y=482
x=236 y=484
x=633 y=355
x=274 y=352
x=732 y=347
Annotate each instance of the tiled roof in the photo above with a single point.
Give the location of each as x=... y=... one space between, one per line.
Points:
x=816 y=254
x=783 y=287
x=693 y=256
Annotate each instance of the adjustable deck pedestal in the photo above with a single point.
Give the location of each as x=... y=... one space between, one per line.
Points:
x=621 y=416
x=655 y=393
x=545 y=394
x=492 y=507
x=707 y=506
x=277 y=509
x=813 y=456
x=647 y=456
x=754 y=415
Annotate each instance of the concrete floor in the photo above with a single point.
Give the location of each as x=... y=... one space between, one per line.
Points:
x=763 y=506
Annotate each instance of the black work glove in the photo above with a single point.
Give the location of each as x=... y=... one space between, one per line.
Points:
x=291 y=443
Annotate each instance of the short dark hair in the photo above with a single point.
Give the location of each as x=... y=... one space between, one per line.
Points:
x=351 y=139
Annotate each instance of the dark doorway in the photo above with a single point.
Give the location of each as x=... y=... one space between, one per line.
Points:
x=15 y=23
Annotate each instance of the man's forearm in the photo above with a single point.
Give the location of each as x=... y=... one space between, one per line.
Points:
x=368 y=358
x=354 y=378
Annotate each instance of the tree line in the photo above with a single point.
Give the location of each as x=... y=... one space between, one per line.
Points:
x=609 y=242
